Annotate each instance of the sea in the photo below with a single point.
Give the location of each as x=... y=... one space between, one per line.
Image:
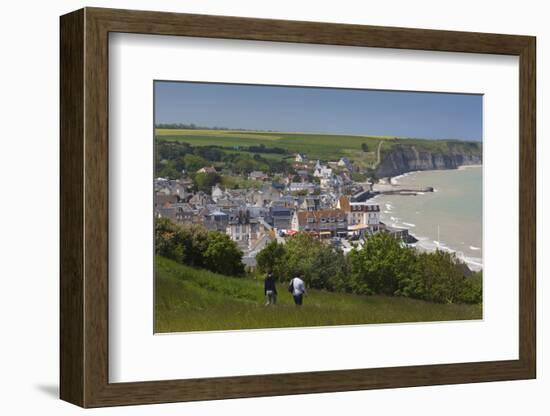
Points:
x=450 y=218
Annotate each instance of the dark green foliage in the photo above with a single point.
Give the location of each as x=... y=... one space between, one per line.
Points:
x=168 y=169
x=209 y=153
x=270 y=258
x=364 y=147
x=472 y=290
x=195 y=246
x=223 y=255
x=359 y=177
x=322 y=266
x=193 y=162
x=205 y=181
x=383 y=266
x=438 y=278
x=262 y=148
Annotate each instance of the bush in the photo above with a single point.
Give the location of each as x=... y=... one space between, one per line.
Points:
x=382 y=266
x=385 y=266
x=271 y=258
x=439 y=278
x=472 y=289
x=195 y=246
x=322 y=266
x=223 y=255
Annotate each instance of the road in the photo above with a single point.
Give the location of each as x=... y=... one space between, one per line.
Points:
x=378 y=154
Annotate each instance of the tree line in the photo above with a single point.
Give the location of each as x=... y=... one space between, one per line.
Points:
x=172 y=157
x=383 y=266
x=194 y=245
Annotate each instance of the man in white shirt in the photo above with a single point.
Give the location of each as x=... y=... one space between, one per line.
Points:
x=298 y=289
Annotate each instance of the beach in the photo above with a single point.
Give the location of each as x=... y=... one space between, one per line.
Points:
x=450 y=218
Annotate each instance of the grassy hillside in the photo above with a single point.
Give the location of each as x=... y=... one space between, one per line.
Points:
x=188 y=299
x=315 y=146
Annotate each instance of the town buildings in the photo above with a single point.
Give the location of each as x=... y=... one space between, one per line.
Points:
x=319 y=199
x=324 y=223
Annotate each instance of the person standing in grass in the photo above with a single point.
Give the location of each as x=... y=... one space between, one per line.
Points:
x=298 y=289
x=270 y=290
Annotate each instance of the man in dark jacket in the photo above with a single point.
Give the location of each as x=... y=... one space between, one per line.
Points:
x=270 y=290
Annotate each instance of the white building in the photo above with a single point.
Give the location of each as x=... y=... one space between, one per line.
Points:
x=345 y=163
x=322 y=171
x=217 y=192
x=361 y=215
x=301 y=186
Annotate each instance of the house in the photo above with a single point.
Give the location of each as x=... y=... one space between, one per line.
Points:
x=302 y=186
x=360 y=215
x=285 y=201
x=310 y=204
x=281 y=217
x=247 y=232
x=216 y=221
x=161 y=199
x=200 y=199
x=324 y=223
x=265 y=196
x=278 y=186
x=184 y=213
x=258 y=176
x=167 y=211
x=302 y=173
x=207 y=169
x=345 y=163
x=398 y=233
x=331 y=182
x=322 y=171
x=217 y=192
x=301 y=158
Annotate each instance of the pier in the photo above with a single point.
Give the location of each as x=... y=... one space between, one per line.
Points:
x=394 y=189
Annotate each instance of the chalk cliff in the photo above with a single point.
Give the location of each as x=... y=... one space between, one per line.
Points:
x=407 y=158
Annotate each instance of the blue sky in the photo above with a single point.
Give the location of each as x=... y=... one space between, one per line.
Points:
x=321 y=110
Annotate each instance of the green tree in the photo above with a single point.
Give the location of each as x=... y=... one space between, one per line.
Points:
x=321 y=264
x=441 y=279
x=165 y=243
x=381 y=266
x=271 y=258
x=472 y=289
x=169 y=170
x=205 y=181
x=223 y=255
x=193 y=162
x=364 y=147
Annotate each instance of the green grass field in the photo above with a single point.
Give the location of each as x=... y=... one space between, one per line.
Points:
x=315 y=146
x=188 y=299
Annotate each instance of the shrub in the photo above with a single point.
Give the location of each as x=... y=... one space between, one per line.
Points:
x=382 y=266
x=194 y=245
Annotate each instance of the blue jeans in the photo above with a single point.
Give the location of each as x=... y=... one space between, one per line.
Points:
x=298 y=299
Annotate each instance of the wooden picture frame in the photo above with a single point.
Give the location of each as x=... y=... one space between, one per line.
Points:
x=84 y=207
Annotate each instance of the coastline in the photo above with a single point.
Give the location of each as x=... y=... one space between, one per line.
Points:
x=395 y=214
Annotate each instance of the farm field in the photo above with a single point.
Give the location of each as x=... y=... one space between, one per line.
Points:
x=315 y=146
x=189 y=299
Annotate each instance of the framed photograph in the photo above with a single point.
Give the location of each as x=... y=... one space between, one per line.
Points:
x=255 y=207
